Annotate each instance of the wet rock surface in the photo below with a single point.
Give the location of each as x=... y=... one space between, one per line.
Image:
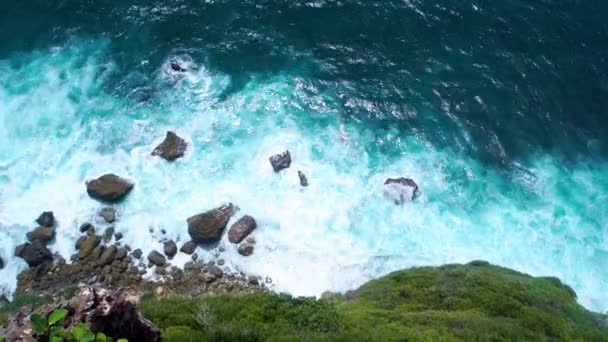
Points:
x=209 y=226
x=108 y=214
x=241 y=229
x=400 y=189
x=246 y=249
x=157 y=259
x=34 y=253
x=303 y=179
x=44 y=234
x=46 y=219
x=170 y=249
x=109 y=188
x=280 y=161
x=188 y=247
x=171 y=148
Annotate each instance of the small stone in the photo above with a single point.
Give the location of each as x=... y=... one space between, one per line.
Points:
x=194 y=256
x=268 y=280
x=221 y=249
x=245 y=249
x=303 y=179
x=161 y=270
x=188 y=247
x=46 y=219
x=157 y=259
x=251 y=240
x=159 y=290
x=215 y=271
x=108 y=214
x=1 y=263
x=80 y=241
x=85 y=227
x=253 y=280
x=241 y=229
x=108 y=233
x=121 y=253
x=208 y=277
x=137 y=253
x=108 y=255
x=170 y=249
x=221 y=262
x=280 y=161
x=118 y=236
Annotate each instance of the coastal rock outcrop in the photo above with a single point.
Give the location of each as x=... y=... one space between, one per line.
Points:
x=46 y=219
x=280 y=161
x=34 y=253
x=171 y=148
x=209 y=226
x=241 y=229
x=400 y=189
x=112 y=312
x=109 y=188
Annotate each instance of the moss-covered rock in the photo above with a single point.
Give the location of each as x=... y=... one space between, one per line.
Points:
x=477 y=301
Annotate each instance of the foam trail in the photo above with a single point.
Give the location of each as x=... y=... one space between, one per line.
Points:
x=335 y=234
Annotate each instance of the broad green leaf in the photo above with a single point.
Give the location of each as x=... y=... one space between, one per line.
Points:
x=57 y=316
x=38 y=323
x=101 y=337
x=122 y=340
x=82 y=333
x=54 y=338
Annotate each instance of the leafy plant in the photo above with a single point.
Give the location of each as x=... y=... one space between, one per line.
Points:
x=47 y=329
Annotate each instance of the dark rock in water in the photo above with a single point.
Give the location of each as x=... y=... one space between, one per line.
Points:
x=43 y=234
x=108 y=214
x=137 y=253
x=108 y=255
x=34 y=253
x=397 y=188
x=118 y=236
x=121 y=253
x=303 y=179
x=170 y=249
x=171 y=148
x=245 y=249
x=251 y=240
x=107 y=234
x=241 y=229
x=157 y=259
x=1 y=263
x=175 y=66
x=109 y=188
x=209 y=226
x=85 y=227
x=46 y=219
x=188 y=248
x=87 y=247
x=280 y=161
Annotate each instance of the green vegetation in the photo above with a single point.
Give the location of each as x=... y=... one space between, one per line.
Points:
x=470 y=302
x=20 y=301
x=49 y=329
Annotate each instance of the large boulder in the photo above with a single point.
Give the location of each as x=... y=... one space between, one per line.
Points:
x=170 y=249
x=400 y=189
x=209 y=226
x=46 y=219
x=34 y=253
x=109 y=188
x=280 y=161
x=157 y=259
x=171 y=148
x=188 y=247
x=43 y=234
x=241 y=229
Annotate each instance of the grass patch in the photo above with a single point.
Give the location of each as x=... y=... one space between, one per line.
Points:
x=477 y=301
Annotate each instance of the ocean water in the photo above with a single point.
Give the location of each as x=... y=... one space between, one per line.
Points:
x=499 y=111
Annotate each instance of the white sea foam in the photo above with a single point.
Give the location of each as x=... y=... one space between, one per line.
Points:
x=59 y=128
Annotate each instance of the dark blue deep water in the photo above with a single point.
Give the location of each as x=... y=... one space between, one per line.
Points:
x=498 y=109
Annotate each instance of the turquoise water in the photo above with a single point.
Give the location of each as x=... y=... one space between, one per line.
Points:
x=498 y=111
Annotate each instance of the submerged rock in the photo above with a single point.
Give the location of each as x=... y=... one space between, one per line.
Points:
x=246 y=249
x=46 y=219
x=177 y=67
x=157 y=259
x=400 y=189
x=209 y=226
x=280 y=161
x=34 y=253
x=109 y=188
x=85 y=227
x=43 y=234
x=188 y=247
x=303 y=179
x=241 y=229
x=171 y=148
x=170 y=249
x=137 y=253
x=108 y=214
